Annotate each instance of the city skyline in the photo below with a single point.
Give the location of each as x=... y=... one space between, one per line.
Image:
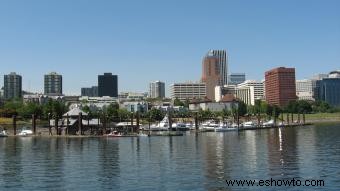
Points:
x=89 y=38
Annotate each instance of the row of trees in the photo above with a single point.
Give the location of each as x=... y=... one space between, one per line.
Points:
x=114 y=113
x=26 y=110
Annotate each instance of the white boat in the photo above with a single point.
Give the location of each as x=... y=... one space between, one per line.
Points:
x=161 y=126
x=269 y=123
x=25 y=132
x=249 y=124
x=190 y=126
x=225 y=127
x=208 y=126
x=180 y=127
x=3 y=133
x=142 y=135
x=114 y=134
x=234 y=125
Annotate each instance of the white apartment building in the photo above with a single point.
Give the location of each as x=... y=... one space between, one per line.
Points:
x=157 y=89
x=305 y=89
x=187 y=91
x=249 y=91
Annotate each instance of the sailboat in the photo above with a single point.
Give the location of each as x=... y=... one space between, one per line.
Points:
x=162 y=125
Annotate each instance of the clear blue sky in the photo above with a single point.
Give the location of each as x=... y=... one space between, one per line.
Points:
x=144 y=40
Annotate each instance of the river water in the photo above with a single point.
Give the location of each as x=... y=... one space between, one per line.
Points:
x=191 y=162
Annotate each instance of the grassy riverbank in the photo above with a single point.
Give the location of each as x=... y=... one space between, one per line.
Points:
x=319 y=117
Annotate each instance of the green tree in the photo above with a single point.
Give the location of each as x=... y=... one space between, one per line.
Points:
x=321 y=106
x=205 y=114
x=30 y=108
x=55 y=108
x=14 y=104
x=156 y=114
x=225 y=113
x=112 y=111
x=304 y=106
x=123 y=114
x=292 y=107
x=178 y=102
x=242 y=108
x=276 y=111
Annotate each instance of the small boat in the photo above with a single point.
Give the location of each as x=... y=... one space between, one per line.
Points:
x=114 y=134
x=190 y=126
x=3 y=133
x=249 y=124
x=208 y=126
x=269 y=123
x=225 y=127
x=180 y=127
x=25 y=132
x=281 y=124
x=142 y=135
x=118 y=134
x=161 y=126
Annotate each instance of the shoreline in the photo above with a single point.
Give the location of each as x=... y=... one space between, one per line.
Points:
x=43 y=132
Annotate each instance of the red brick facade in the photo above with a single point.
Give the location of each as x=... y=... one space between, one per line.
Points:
x=280 y=86
x=211 y=75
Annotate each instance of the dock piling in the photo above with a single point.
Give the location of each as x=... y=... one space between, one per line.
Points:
x=287 y=118
x=34 y=124
x=196 y=122
x=14 y=117
x=304 y=118
x=49 y=124
x=80 y=123
x=137 y=120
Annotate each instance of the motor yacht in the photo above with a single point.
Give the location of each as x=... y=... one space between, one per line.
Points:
x=249 y=124
x=25 y=132
x=3 y=133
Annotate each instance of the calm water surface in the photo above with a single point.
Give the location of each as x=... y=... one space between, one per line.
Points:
x=192 y=162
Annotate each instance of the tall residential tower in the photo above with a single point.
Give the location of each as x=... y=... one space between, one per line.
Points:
x=223 y=64
x=157 y=89
x=53 y=84
x=12 y=86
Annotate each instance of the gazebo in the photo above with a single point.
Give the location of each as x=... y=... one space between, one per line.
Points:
x=70 y=122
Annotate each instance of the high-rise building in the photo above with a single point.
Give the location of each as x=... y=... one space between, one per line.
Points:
x=12 y=86
x=53 y=84
x=108 y=85
x=250 y=91
x=221 y=91
x=280 y=86
x=157 y=89
x=90 y=92
x=328 y=89
x=187 y=91
x=211 y=75
x=223 y=64
x=236 y=78
x=305 y=89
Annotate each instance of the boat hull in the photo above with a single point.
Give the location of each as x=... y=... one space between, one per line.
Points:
x=225 y=129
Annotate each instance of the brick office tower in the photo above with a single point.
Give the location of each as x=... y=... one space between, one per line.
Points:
x=280 y=86
x=211 y=75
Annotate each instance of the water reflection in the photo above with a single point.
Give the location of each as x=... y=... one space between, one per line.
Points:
x=191 y=162
x=283 y=155
x=11 y=172
x=109 y=164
